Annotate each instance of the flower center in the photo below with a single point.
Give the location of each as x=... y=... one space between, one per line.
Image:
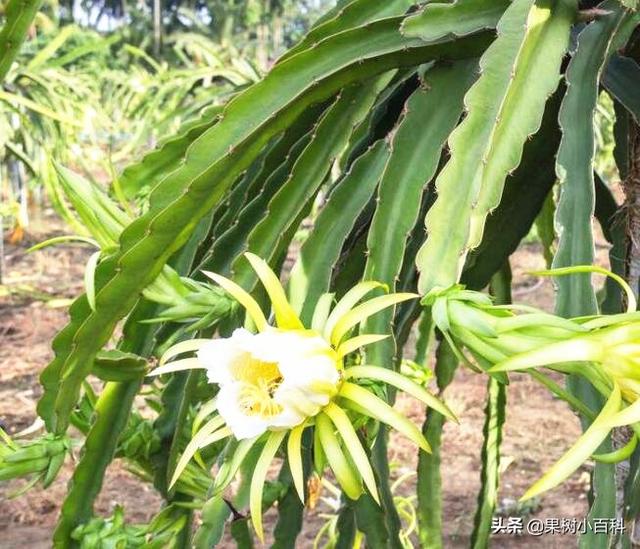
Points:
x=260 y=381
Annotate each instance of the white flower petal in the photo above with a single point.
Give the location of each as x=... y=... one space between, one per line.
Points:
x=273 y=345
x=299 y=366
x=288 y=418
x=270 y=345
x=242 y=425
x=303 y=371
x=320 y=397
x=293 y=398
x=220 y=355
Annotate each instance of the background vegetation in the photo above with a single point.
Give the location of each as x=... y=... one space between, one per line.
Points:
x=98 y=83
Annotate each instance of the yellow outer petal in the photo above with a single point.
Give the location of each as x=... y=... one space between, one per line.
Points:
x=294 y=452
x=182 y=347
x=561 y=271
x=205 y=410
x=321 y=312
x=354 y=343
x=89 y=279
x=319 y=459
x=177 y=366
x=616 y=456
x=628 y=416
x=286 y=317
x=215 y=437
x=580 y=348
x=347 y=302
x=581 y=450
x=346 y=476
x=365 y=310
x=210 y=439
x=401 y=382
x=378 y=409
x=242 y=297
x=258 y=479
x=353 y=445
x=194 y=445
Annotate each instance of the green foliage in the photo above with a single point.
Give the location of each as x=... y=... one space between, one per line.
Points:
x=114 y=532
x=575 y=157
x=459 y=18
x=311 y=275
x=575 y=207
x=621 y=75
x=41 y=458
x=505 y=106
x=386 y=119
x=18 y=18
x=216 y=158
x=84 y=99
x=415 y=154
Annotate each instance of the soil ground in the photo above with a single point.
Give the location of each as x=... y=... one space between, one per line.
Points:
x=538 y=428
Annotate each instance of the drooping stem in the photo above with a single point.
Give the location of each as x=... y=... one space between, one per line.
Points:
x=488 y=496
x=429 y=478
x=492 y=431
x=573 y=220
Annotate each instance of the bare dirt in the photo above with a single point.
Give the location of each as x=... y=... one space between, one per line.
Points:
x=538 y=427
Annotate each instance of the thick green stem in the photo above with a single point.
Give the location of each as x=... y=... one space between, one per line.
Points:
x=380 y=462
x=112 y=411
x=183 y=410
x=19 y=15
x=488 y=496
x=492 y=432
x=429 y=478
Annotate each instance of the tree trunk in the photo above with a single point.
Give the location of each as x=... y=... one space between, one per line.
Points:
x=631 y=210
x=631 y=187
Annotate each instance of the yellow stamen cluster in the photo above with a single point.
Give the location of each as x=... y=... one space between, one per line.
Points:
x=256 y=398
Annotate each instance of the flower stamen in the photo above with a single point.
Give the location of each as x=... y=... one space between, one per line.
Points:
x=260 y=383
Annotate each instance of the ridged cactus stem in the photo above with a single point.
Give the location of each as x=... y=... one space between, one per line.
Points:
x=494 y=420
x=112 y=412
x=429 y=477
